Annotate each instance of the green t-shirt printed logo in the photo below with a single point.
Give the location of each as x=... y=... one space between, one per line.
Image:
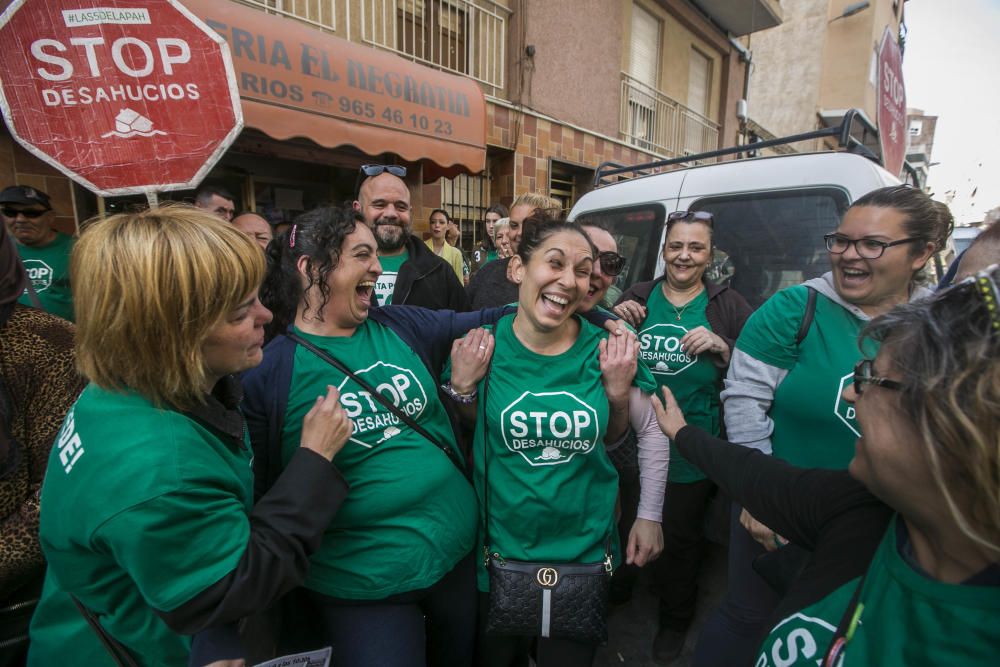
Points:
x=549 y=428
x=39 y=273
x=373 y=423
x=660 y=349
x=798 y=640
x=844 y=410
x=69 y=444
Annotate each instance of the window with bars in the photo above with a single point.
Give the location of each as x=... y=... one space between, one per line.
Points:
x=433 y=31
x=466 y=199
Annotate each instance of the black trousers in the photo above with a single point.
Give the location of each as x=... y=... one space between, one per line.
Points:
x=497 y=651
x=675 y=572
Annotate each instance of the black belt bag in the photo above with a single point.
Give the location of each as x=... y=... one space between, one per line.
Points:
x=559 y=601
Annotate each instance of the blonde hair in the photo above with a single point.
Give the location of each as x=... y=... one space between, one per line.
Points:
x=148 y=289
x=946 y=350
x=549 y=206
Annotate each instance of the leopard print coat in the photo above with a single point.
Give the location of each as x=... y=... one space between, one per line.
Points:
x=37 y=362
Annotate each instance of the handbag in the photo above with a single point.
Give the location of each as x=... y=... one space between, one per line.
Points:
x=551 y=600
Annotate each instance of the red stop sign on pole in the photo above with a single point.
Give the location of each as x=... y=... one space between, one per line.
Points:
x=123 y=96
x=892 y=130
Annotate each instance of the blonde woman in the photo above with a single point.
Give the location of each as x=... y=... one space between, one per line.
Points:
x=146 y=516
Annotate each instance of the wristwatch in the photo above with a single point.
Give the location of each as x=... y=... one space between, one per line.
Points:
x=463 y=399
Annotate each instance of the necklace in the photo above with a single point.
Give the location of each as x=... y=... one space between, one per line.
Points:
x=679 y=312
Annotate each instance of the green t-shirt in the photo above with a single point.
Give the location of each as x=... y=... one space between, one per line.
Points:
x=813 y=426
x=142 y=509
x=386 y=282
x=48 y=270
x=695 y=381
x=552 y=487
x=410 y=515
x=907 y=620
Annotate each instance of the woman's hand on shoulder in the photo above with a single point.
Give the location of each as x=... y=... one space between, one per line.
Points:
x=761 y=534
x=700 y=340
x=668 y=413
x=470 y=357
x=326 y=427
x=632 y=312
x=619 y=360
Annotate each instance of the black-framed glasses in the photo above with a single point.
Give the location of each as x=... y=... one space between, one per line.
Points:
x=863 y=374
x=29 y=213
x=866 y=248
x=691 y=216
x=611 y=263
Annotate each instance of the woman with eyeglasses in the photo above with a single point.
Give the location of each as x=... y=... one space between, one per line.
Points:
x=903 y=547
x=687 y=328
x=783 y=391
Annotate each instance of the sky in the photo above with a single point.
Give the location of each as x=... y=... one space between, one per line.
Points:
x=950 y=68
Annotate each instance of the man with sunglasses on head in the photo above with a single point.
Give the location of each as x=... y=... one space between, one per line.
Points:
x=411 y=273
x=44 y=251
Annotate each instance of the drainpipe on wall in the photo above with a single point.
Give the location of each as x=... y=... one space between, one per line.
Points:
x=742 y=111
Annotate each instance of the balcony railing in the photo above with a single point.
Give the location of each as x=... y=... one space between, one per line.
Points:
x=320 y=14
x=654 y=122
x=467 y=37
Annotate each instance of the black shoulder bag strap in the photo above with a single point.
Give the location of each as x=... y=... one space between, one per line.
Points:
x=844 y=629
x=115 y=648
x=807 y=316
x=403 y=417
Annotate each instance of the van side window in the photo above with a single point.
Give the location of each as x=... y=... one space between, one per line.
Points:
x=767 y=241
x=638 y=231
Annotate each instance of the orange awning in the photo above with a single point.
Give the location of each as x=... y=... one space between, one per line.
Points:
x=296 y=81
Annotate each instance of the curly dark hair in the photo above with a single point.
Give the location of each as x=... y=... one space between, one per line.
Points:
x=316 y=235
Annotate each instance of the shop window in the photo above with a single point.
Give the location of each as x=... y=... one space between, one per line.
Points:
x=466 y=199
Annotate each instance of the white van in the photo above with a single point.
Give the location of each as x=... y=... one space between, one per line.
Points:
x=770 y=215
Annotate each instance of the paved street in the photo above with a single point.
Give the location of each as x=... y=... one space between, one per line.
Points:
x=633 y=625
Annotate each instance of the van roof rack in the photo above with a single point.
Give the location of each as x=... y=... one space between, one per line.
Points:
x=866 y=146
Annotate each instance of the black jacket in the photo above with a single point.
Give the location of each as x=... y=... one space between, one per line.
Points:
x=428 y=281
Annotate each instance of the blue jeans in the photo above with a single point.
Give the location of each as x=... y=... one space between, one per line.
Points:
x=433 y=627
x=732 y=634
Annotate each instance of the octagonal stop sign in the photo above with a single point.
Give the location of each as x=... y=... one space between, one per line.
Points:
x=123 y=96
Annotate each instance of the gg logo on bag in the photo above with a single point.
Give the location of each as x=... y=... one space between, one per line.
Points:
x=547 y=577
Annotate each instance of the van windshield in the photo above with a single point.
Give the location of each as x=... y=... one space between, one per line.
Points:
x=773 y=239
x=637 y=232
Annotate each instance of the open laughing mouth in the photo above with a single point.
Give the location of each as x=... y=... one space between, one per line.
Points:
x=364 y=290
x=852 y=276
x=555 y=303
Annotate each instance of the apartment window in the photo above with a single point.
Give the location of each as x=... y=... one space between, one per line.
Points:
x=699 y=91
x=916 y=127
x=434 y=31
x=644 y=67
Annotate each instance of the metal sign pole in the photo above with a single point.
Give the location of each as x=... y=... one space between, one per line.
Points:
x=152 y=198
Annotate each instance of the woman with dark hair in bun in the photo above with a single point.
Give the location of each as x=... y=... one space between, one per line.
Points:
x=557 y=391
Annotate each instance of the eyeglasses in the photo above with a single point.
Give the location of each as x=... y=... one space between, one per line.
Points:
x=611 y=263
x=29 y=213
x=863 y=375
x=866 y=248
x=691 y=216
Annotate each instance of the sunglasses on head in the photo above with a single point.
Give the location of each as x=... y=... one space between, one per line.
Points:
x=611 y=263
x=691 y=216
x=370 y=170
x=30 y=213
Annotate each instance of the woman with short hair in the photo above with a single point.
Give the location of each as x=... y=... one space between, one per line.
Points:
x=904 y=546
x=146 y=520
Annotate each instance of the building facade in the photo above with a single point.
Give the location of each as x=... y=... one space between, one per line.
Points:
x=481 y=99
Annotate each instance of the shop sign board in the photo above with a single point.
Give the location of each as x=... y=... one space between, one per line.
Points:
x=123 y=96
x=892 y=130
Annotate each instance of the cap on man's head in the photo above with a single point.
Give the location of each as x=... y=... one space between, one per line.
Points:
x=25 y=196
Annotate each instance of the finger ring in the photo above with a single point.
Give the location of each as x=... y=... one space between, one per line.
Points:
x=482 y=347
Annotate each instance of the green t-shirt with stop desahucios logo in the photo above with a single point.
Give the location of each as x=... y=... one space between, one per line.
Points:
x=902 y=618
x=552 y=488
x=814 y=427
x=694 y=380
x=143 y=508
x=410 y=515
